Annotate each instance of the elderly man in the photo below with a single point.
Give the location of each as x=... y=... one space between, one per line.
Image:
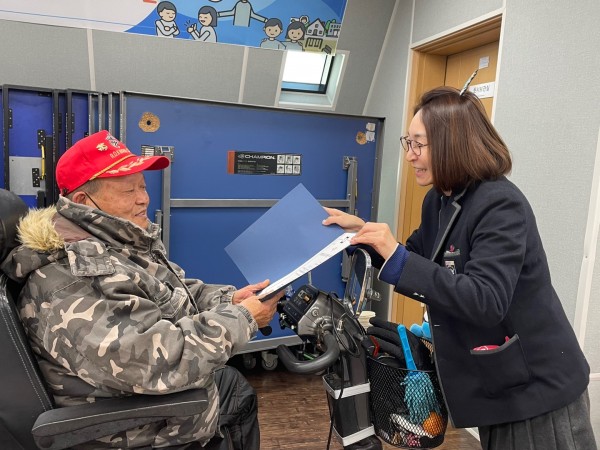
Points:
x=108 y=315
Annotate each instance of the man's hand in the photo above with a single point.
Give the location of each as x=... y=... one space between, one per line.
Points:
x=248 y=291
x=262 y=312
x=347 y=221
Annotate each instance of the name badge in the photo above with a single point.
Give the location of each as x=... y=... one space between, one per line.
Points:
x=450 y=256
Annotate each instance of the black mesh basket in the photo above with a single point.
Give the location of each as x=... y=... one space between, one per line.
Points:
x=407 y=406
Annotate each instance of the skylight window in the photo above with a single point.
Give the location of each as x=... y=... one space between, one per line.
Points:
x=306 y=72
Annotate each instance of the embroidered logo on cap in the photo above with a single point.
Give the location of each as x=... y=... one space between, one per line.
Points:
x=113 y=141
x=101 y=147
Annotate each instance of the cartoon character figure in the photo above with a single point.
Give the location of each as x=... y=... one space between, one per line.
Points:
x=273 y=28
x=166 y=26
x=242 y=12
x=294 y=34
x=207 y=16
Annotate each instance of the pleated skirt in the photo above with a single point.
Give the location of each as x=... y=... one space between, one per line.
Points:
x=567 y=428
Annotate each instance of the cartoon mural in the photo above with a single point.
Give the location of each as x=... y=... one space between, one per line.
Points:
x=166 y=25
x=273 y=28
x=207 y=16
x=242 y=12
x=294 y=35
x=309 y=25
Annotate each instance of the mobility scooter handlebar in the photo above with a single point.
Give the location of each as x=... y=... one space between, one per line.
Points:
x=322 y=362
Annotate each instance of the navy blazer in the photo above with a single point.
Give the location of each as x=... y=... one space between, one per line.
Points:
x=479 y=265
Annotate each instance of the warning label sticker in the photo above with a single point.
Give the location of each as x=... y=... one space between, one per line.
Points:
x=258 y=163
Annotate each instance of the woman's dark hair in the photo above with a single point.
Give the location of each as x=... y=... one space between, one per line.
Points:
x=463 y=144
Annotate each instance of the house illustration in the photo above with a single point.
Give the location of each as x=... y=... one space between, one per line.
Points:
x=333 y=29
x=313 y=38
x=316 y=29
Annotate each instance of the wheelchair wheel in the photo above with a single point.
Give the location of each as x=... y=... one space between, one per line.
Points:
x=268 y=360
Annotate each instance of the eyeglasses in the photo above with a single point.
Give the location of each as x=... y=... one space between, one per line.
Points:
x=413 y=145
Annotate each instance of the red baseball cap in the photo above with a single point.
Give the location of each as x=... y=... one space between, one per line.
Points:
x=100 y=155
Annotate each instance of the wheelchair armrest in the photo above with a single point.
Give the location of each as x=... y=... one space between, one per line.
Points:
x=62 y=428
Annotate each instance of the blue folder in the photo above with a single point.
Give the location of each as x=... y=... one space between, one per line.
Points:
x=282 y=239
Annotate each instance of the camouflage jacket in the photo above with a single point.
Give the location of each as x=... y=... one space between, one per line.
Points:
x=108 y=316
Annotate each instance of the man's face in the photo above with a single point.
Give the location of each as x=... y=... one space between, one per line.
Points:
x=168 y=15
x=273 y=31
x=124 y=197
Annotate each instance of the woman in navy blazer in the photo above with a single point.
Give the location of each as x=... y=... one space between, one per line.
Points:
x=478 y=263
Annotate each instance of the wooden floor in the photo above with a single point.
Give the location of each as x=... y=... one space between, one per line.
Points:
x=293 y=413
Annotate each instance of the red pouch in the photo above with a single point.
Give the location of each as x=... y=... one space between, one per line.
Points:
x=490 y=347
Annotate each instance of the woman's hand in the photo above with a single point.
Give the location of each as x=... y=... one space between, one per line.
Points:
x=248 y=291
x=347 y=221
x=377 y=235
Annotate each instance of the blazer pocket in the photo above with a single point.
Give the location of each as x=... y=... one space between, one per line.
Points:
x=502 y=368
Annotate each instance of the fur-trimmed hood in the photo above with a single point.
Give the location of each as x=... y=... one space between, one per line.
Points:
x=47 y=234
x=36 y=231
x=42 y=244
